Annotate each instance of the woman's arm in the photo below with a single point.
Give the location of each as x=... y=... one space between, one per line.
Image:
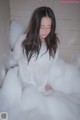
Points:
x=48 y=87
x=56 y=54
x=18 y=50
x=17 y=53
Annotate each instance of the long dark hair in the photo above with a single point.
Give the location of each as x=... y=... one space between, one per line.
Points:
x=32 y=43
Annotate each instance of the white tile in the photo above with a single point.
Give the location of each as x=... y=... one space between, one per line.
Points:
x=20 y=13
x=68 y=38
x=22 y=20
x=64 y=24
x=69 y=55
x=67 y=11
x=29 y=4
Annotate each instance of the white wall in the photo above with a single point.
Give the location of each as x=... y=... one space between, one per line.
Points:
x=4 y=33
x=68 y=22
x=21 y=10
x=68 y=28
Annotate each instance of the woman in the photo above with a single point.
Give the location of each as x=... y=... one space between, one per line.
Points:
x=38 y=47
x=35 y=53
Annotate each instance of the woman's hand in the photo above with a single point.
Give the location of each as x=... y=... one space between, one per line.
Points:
x=48 y=87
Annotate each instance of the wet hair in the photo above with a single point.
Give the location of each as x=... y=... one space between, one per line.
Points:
x=32 y=43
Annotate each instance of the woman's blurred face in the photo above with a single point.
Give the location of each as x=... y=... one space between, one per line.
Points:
x=45 y=27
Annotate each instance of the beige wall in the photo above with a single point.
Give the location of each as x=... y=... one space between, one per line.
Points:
x=68 y=22
x=4 y=33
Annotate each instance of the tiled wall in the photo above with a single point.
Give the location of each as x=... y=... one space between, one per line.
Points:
x=68 y=22
x=68 y=28
x=21 y=10
x=4 y=33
